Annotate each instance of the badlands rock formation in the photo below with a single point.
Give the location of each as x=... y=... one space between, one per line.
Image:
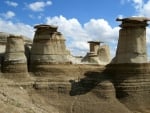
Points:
x=14 y=58
x=130 y=69
x=54 y=85
x=132 y=41
x=48 y=47
x=99 y=54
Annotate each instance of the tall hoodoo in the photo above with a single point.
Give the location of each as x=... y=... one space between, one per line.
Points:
x=130 y=69
x=132 y=40
x=48 y=46
x=15 y=59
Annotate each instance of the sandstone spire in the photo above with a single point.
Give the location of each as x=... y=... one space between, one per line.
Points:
x=48 y=46
x=132 y=41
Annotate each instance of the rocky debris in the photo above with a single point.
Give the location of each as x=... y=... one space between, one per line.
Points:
x=132 y=41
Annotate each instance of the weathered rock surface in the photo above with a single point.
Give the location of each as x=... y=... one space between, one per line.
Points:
x=74 y=89
x=15 y=59
x=132 y=41
x=104 y=54
x=132 y=84
x=130 y=69
x=98 y=54
x=48 y=47
x=3 y=42
x=55 y=86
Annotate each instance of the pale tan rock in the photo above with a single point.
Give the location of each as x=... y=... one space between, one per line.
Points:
x=132 y=41
x=104 y=54
x=14 y=58
x=48 y=46
x=3 y=43
x=98 y=54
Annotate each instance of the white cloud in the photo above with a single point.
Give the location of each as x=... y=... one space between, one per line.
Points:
x=77 y=35
x=120 y=16
x=145 y=9
x=142 y=8
x=10 y=3
x=138 y=4
x=73 y=32
x=8 y=15
x=16 y=28
x=39 y=6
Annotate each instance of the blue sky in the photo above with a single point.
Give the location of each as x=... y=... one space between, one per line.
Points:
x=78 y=20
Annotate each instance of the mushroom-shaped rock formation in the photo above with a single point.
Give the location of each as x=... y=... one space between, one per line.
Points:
x=132 y=41
x=48 y=47
x=130 y=70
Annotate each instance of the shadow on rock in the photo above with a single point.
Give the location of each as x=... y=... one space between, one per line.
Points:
x=85 y=85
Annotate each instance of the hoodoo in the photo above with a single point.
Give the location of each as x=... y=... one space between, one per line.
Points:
x=48 y=47
x=132 y=41
x=99 y=54
x=14 y=58
x=130 y=69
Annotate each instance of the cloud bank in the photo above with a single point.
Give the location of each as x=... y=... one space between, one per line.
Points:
x=78 y=35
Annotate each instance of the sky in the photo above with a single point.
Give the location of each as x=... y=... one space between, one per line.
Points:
x=78 y=20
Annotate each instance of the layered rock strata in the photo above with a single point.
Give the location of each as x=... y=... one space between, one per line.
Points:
x=14 y=58
x=132 y=41
x=130 y=69
x=48 y=47
x=132 y=84
x=3 y=43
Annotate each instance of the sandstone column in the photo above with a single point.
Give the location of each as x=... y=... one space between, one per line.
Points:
x=48 y=47
x=130 y=70
x=14 y=59
x=92 y=56
x=132 y=41
x=98 y=54
x=94 y=46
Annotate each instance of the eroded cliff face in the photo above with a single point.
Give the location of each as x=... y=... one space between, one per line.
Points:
x=45 y=81
x=72 y=89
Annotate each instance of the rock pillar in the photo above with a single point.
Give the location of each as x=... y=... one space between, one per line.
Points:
x=131 y=72
x=94 y=46
x=14 y=59
x=98 y=54
x=48 y=47
x=92 y=56
x=132 y=41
